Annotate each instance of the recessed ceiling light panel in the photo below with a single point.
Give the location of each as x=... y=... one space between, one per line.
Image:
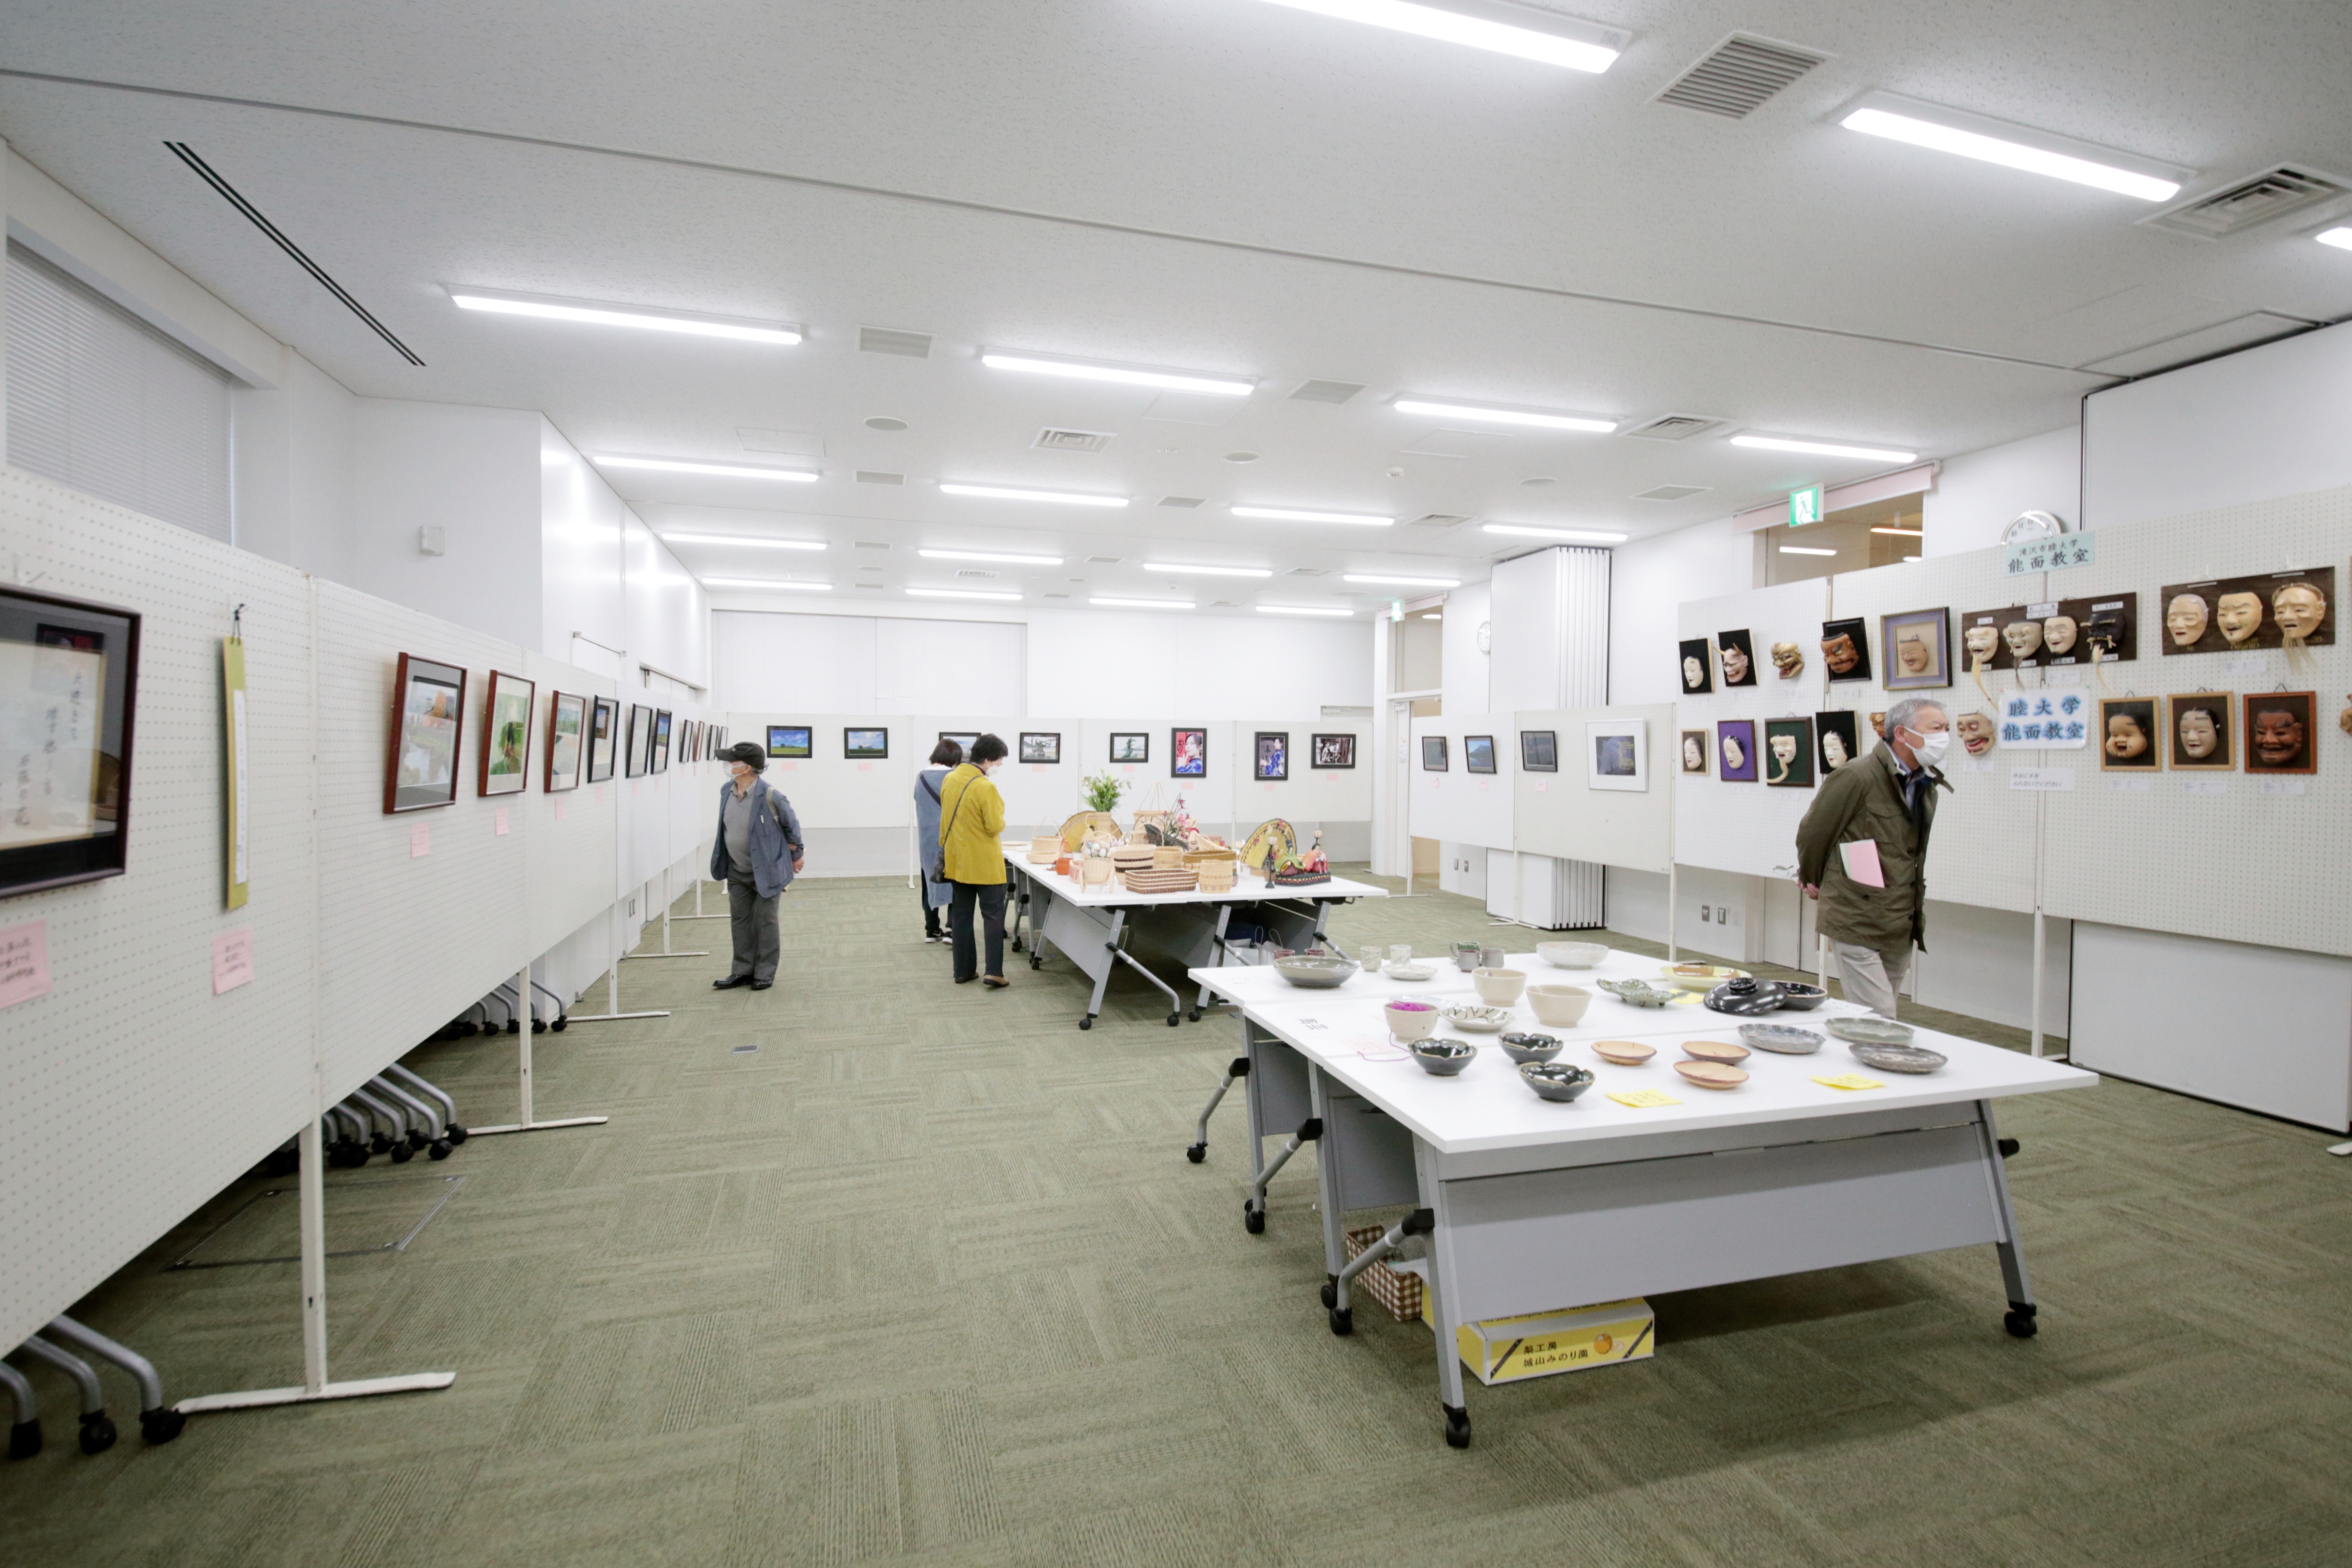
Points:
x=1120 y=374
x=1292 y=514
x=2340 y=238
x=648 y=318
x=990 y=556
x=780 y=584
x=959 y=594
x=1304 y=610
x=1572 y=535
x=1488 y=413
x=722 y=470
x=1007 y=492
x=1207 y=571
x=1993 y=141
x=743 y=539
x=1401 y=582
x=1824 y=449
x=1142 y=604
x=1504 y=29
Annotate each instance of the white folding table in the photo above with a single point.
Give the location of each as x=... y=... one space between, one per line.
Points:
x=1530 y=1205
x=1096 y=928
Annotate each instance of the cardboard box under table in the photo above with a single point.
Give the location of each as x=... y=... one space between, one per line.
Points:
x=1527 y=1203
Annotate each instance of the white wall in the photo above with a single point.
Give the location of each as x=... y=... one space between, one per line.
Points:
x=474 y=473
x=1978 y=494
x=295 y=461
x=1648 y=579
x=1209 y=667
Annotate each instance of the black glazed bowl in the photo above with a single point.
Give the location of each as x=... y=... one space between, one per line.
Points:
x=1745 y=997
x=1798 y=997
x=1524 y=1048
x=1555 y=1081
x=1442 y=1058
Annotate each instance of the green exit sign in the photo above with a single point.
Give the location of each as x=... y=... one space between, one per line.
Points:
x=1805 y=506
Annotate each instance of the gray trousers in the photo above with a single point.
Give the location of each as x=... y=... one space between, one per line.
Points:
x=1872 y=978
x=752 y=921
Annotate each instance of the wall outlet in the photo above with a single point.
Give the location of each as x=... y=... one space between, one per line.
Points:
x=431 y=540
x=1705 y=914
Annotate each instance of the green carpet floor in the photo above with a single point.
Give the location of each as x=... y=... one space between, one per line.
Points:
x=922 y=1275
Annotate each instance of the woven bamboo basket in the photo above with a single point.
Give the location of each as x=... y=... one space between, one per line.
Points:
x=1167 y=858
x=1216 y=876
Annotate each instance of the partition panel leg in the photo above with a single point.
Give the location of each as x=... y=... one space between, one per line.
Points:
x=526 y=1122
x=613 y=1003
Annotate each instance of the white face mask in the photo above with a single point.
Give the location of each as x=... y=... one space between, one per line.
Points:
x=1929 y=749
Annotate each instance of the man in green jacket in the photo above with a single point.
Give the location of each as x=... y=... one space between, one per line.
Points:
x=1862 y=851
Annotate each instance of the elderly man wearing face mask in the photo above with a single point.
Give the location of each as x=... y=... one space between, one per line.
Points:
x=1886 y=800
x=756 y=851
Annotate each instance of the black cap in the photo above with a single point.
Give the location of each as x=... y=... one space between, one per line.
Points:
x=749 y=754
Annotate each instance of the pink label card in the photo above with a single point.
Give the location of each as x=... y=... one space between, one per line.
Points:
x=866 y=767
x=24 y=962
x=789 y=765
x=232 y=959
x=1541 y=785
x=502 y=824
x=599 y=795
x=420 y=840
x=559 y=808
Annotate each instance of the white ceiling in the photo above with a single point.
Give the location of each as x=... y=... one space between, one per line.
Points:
x=1213 y=184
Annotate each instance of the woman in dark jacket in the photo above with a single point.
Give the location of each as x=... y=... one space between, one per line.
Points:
x=756 y=851
x=947 y=755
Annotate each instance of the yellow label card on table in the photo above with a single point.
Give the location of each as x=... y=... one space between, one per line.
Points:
x=1850 y=1081
x=1644 y=1099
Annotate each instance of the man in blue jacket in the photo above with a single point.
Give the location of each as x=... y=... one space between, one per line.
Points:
x=755 y=852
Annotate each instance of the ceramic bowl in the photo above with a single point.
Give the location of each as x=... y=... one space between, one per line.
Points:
x=1869 y=1031
x=1571 y=954
x=1551 y=1080
x=1898 y=1058
x=1780 y=1038
x=1712 y=1075
x=1314 y=971
x=1562 y=1006
x=1498 y=987
x=1474 y=1019
x=1722 y=1051
x=1624 y=1053
x=1411 y=1021
x=1800 y=997
x=1636 y=993
x=1442 y=1058
x=1745 y=997
x=1408 y=970
x=1530 y=1047
x=1700 y=976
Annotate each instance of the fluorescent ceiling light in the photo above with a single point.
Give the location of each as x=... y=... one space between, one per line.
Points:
x=1804 y=550
x=959 y=594
x=1002 y=492
x=1482 y=24
x=1124 y=376
x=1142 y=604
x=1402 y=582
x=1504 y=416
x=766 y=582
x=742 y=539
x=505 y=302
x=1582 y=535
x=2014 y=147
x=1431 y=616
x=1207 y=571
x=2341 y=238
x=1905 y=533
x=1303 y=610
x=1823 y=448
x=1291 y=514
x=990 y=556
x=725 y=470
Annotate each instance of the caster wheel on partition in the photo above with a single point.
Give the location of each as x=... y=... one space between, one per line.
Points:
x=1457 y=1426
x=1330 y=1291
x=456 y=1133
x=160 y=1425
x=438 y=1149
x=96 y=1434
x=379 y=1144
x=514 y=1025
x=1087 y=1022
x=401 y=1153
x=1174 y=1019
x=560 y=1024
x=1343 y=1320
x=23 y=1439
x=2018 y=1320
x=2007 y=1146
x=1197 y=1152
x=539 y=1025
x=418 y=1143
x=1253 y=1219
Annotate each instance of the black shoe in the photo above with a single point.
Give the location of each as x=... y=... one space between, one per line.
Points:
x=965 y=979
x=732 y=982
x=761 y=984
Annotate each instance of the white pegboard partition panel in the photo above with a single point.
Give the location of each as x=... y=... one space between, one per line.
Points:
x=1458 y=806
x=568 y=838
x=1561 y=816
x=1310 y=797
x=1749 y=828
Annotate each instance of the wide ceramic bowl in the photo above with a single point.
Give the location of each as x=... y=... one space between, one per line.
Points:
x=1562 y=1006
x=1442 y=1058
x=1314 y=971
x=1898 y=1058
x=1555 y=1081
x=1636 y=993
x=1624 y=1053
x=1571 y=954
x=1745 y=997
x=1722 y=1051
x=1408 y=969
x=1798 y=997
x=1869 y=1031
x=1498 y=987
x=1474 y=1019
x=1530 y=1047
x=1780 y=1038
x=1411 y=1021
x=1700 y=976
x=1712 y=1075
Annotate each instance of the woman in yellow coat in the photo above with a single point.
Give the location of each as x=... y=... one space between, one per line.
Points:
x=971 y=829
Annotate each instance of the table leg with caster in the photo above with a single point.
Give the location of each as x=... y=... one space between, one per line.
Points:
x=1236 y=1069
x=1200 y=1003
x=1253 y=1207
x=2020 y=1318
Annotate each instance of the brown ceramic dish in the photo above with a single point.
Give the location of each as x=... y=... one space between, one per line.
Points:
x=1711 y=1075
x=1714 y=1051
x=1624 y=1053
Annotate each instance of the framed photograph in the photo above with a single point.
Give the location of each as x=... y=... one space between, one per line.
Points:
x=1735 y=749
x=68 y=672
x=1845 y=648
x=2127 y=735
x=790 y=741
x=962 y=738
x=2279 y=734
x=1477 y=753
x=1130 y=748
x=506 y=734
x=567 y=726
x=1540 y=751
x=1433 y=755
x=1694 y=749
x=1188 y=753
x=1789 y=753
x=636 y=759
x=690 y=749
x=1335 y=750
x=1038 y=746
x=1271 y=763
x=604 y=738
x=1738 y=653
x=865 y=744
x=1697 y=667
x=428 y=705
x=2199 y=731
x=1919 y=647
x=1837 y=739
x=1617 y=752
x=718 y=742
x=662 y=722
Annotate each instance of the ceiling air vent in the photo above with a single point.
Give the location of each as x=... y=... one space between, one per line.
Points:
x=1735 y=79
x=1180 y=500
x=886 y=340
x=1326 y=391
x=1052 y=596
x=1104 y=559
x=870 y=477
x=1309 y=571
x=2272 y=193
x=1673 y=426
x=1224 y=604
x=1437 y=520
x=1072 y=440
x=975 y=571
x=1671 y=492
x=870 y=544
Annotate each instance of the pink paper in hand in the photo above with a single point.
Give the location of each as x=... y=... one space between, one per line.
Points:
x=1862 y=865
